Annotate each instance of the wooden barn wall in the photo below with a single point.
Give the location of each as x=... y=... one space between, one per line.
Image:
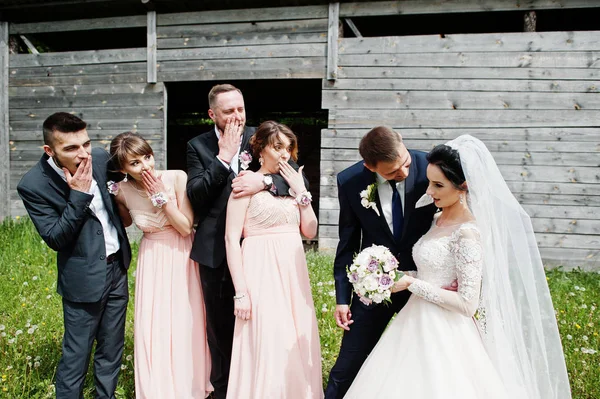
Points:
x=265 y=43
x=106 y=88
x=531 y=97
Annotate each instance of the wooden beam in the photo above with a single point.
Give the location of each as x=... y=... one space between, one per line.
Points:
x=136 y=21
x=353 y=27
x=151 y=44
x=333 y=33
x=29 y=45
x=4 y=127
x=408 y=7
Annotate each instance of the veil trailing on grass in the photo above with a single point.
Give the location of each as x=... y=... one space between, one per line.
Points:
x=516 y=315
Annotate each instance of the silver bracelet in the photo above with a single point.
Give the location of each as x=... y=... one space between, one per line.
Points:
x=240 y=296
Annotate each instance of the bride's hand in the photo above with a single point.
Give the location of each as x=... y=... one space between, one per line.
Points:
x=242 y=307
x=402 y=284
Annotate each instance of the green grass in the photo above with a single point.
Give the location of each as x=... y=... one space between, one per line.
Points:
x=31 y=319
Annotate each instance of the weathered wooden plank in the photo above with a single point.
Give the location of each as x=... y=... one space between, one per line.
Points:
x=574 y=59
x=19 y=137
x=480 y=85
x=502 y=158
x=433 y=72
x=151 y=48
x=85 y=101
x=23 y=157
x=86 y=80
x=332 y=40
x=83 y=90
x=494 y=146
x=407 y=7
x=409 y=99
x=93 y=123
x=296 y=26
x=78 y=57
x=149 y=112
x=270 y=51
x=248 y=14
x=79 y=24
x=75 y=70
x=482 y=42
x=577 y=241
x=461 y=118
x=265 y=68
x=251 y=39
x=4 y=127
x=517 y=187
x=583 y=259
x=331 y=216
x=579 y=134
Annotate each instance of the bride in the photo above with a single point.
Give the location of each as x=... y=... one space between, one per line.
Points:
x=435 y=347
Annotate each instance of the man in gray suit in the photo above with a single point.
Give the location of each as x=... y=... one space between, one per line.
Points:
x=67 y=198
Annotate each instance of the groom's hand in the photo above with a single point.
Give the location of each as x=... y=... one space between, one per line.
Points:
x=343 y=317
x=247 y=183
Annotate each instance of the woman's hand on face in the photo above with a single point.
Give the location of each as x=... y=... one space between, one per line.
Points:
x=152 y=183
x=242 y=307
x=402 y=284
x=294 y=179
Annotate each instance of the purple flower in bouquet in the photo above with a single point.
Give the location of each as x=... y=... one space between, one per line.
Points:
x=373 y=265
x=353 y=277
x=390 y=264
x=385 y=281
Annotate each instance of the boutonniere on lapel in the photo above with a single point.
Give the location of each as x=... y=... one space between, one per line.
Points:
x=367 y=197
x=245 y=159
x=113 y=187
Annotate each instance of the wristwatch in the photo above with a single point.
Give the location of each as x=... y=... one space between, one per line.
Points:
x=268 y=182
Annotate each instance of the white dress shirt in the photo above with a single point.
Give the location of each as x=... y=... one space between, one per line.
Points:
x=235 y=164
x=385 y=198
x=111 y=236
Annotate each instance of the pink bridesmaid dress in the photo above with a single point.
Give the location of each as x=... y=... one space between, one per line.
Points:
x=276 y=354
x=172 y=360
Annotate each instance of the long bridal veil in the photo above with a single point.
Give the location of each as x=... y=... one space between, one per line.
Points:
x=516 y=314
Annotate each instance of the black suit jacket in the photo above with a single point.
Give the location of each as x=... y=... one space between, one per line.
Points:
x=66 y=223
x=360 y=227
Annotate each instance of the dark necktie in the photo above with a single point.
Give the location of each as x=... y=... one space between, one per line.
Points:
x=397 y=214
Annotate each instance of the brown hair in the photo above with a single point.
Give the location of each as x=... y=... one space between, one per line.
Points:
x=266 y=134
x=128 y=143
x=62 y=122
x=379 y=145
x=218 y=89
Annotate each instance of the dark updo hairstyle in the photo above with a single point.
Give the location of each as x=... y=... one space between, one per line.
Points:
x=448 y=160
x=127 y=143
x=267 y=134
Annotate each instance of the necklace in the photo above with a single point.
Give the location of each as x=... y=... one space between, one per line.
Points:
x=141 y=193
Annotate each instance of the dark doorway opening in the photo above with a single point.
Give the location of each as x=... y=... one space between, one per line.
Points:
x=294 y=102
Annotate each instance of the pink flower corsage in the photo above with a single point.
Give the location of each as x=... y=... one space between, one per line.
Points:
x=245 y=159
x=113 y=187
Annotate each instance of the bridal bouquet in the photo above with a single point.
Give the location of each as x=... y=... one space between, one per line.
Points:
x=373 y=273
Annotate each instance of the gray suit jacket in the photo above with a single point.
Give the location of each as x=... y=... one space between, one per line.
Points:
x=66 y=223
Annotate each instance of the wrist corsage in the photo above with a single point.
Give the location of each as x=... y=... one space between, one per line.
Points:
x=303 y=199
x=159 y=199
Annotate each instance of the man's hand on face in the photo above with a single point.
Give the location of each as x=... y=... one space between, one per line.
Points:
x=82 y=179
x=247 y=183
x=230 y=139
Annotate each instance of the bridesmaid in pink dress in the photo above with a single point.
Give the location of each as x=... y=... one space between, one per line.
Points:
x=276 y=351
x=172 y=360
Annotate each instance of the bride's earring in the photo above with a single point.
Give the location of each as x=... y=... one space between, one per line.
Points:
x=260 y=161
x=125 y=179
x=460 y=199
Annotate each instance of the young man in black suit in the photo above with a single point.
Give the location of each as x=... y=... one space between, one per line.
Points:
x=67 y=198
x=399 y=177
x=215 y=162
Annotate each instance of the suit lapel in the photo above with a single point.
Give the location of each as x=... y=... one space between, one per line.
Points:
x=409 y=195
x=99 y=173
x=55 y=181
x=371 y=178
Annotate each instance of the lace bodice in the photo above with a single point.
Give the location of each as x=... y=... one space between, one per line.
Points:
x=266 y=211
x=446 y=254
x=146 y=216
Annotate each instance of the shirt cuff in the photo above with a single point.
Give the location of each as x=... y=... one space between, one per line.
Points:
x=224 y=163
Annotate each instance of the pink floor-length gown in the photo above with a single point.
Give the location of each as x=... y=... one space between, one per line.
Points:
x=276 y=354
x=172 y=360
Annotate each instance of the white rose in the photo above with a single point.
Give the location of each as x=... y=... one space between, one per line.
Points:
x=364 y=202
x=364 y=193
x=371 y=283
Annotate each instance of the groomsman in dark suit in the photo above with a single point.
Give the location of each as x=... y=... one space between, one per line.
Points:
x=67 y=198
x=215 y=161
x=399 y=176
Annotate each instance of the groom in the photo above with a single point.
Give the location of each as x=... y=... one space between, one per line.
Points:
x=399 y=176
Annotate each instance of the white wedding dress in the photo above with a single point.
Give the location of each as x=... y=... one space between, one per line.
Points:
x=433 y=348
